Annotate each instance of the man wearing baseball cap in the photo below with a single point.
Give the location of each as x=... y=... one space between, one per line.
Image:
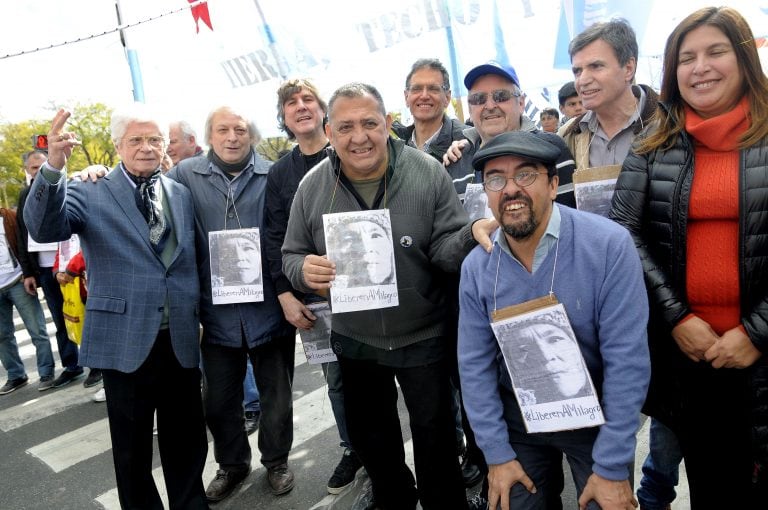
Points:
x=497 y=105
x=591 y=266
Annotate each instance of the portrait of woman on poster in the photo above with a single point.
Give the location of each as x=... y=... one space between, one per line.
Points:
x=368 y=253
x=547 y=361
x=694 y=195
x=238 y=255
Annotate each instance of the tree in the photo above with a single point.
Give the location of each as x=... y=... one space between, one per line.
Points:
x=272 y=148
x=90 y=123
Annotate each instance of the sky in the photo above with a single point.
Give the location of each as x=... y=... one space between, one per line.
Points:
x=186 y=73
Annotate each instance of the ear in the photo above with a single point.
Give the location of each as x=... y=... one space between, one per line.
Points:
x=389 y=122
x=328 y=132
x=630 y=68
x=553 y=184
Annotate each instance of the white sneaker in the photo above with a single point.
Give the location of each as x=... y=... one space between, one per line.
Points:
x=100 y=396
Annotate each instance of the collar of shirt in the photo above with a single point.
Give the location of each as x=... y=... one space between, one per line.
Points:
x=589 y=121
x=429 y=140
x=547 y=241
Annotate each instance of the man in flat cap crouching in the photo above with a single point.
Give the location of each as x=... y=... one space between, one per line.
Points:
x=582 y=275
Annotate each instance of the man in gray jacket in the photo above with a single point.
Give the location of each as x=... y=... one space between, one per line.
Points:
x=228 y=188
x=368 y=171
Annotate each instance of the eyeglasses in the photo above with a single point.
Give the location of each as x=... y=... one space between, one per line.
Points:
x=431 y=89
x=498 y=96
x=522 y=179
x=138 y=141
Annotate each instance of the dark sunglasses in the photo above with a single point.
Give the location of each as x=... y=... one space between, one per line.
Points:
x=498 y=96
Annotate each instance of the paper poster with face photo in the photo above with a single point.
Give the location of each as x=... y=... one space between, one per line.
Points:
x=236 y=271
x=593 y=188
x=476 y=202
x=317 y=341
x=360 y=243
x=550 y=379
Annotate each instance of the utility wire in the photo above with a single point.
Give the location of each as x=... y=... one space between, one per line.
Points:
x=107 y=32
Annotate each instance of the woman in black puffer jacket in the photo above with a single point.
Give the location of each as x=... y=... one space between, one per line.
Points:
x=694 y=195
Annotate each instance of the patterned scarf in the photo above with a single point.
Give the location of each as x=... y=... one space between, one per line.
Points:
x=151 y=207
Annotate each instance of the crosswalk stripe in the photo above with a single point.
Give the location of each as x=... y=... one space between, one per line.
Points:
x=312 y=415
x=73 y=447
x=47 y=404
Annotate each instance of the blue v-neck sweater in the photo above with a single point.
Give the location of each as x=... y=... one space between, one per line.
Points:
x=599 y=280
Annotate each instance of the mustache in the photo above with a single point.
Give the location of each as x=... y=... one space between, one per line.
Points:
x=519 y=196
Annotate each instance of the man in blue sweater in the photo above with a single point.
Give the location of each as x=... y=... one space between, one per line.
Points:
x=591 y=266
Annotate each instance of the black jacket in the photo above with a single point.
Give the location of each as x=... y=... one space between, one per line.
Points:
x=651 y=200
x=282 y=182
x=451 y=131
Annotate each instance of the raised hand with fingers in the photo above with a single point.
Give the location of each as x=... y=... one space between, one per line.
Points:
x=60 y=142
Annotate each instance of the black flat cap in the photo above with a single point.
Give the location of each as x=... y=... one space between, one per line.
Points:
x=517 y=143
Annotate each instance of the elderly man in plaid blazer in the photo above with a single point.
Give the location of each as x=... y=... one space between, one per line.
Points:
x=137 y=231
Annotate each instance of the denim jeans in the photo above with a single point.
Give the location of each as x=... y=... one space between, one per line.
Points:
x=661 y=468
x=31 y=313
x=251 y=401
x=68 y=351
x=332 y=374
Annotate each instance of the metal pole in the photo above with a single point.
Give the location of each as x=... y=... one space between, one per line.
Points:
x=272 y=43
x=133 y=59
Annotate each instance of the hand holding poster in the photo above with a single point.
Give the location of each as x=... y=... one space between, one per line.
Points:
x=360 y=244
x=550 y=379
x=317 y=341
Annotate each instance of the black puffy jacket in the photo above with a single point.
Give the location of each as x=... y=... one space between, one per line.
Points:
x=651 y=201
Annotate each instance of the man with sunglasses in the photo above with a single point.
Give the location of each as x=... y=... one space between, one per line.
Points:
x=592 y=268
x=497 y=105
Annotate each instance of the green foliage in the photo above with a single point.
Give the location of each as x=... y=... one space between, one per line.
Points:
x=272 y=148
x=90 y=123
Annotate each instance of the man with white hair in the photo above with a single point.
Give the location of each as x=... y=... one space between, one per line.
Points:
x=228 y=191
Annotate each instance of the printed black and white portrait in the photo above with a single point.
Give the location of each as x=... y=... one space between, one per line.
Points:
x=544 y=359
x=595 y=197
x=362 y=249
x=236 y=257
x=476 y=202
x=236 y=269
x=360 y=244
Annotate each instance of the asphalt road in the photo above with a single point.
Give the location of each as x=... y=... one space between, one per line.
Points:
x=56 y=450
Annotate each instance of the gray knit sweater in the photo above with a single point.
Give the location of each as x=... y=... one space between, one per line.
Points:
x=429 y=229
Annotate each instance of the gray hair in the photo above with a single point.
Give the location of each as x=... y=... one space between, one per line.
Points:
x=185 y=127
x=617 y=33
x=252 y=129
x=355 y=90
x=433 y=64
x=137 y=112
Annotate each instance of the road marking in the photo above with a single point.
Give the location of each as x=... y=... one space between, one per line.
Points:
x=44 y=404
x=312 y=415
x=74 y=447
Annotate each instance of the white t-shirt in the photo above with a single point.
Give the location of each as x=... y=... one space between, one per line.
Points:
x=10 y=270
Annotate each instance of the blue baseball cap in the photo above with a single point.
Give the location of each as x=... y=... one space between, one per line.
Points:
x=491 y=67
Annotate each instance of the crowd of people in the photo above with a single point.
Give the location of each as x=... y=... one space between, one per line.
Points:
x=661 y=307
